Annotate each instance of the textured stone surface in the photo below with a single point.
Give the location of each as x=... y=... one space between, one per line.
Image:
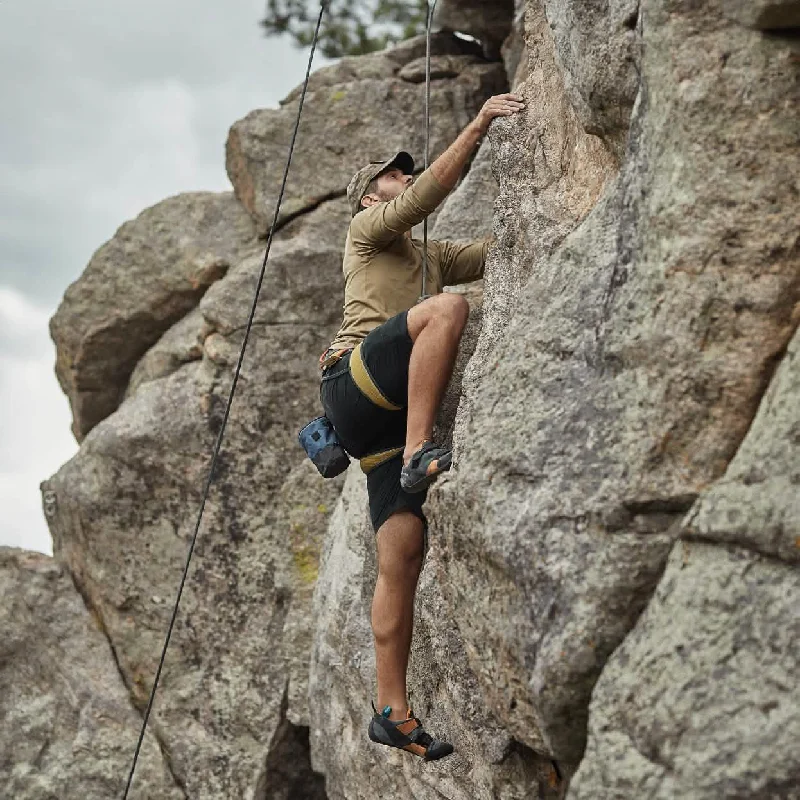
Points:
x=346 y=125
x=468 y=213
x=635 y=358
x=147 y=277
x=68 y=727
x=488 y=763
x=701 y=701
x=123 y=510
x=756 y=504
x=513 y=50
x=385 y=63
x=598 y=52
x=182 y=343
x=550 y=174
x=486 y=20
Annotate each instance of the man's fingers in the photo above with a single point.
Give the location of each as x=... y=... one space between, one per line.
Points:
x=500 y=103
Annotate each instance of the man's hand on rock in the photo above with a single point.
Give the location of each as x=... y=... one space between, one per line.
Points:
x=447 y=168
x=500 y=105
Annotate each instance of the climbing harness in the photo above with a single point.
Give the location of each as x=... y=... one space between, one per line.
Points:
x=323 y=7
x=432 y=6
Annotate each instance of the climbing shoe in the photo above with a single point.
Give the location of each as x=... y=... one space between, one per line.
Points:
x=425 y=466
x=406 y=734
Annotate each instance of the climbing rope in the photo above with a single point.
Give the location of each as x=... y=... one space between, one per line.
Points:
x=431 y=8
x=323 y=6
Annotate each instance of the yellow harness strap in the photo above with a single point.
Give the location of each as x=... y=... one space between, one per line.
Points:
x=368 y=463
x=365 y=383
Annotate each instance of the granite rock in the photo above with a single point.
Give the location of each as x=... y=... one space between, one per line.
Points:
x=756 y=503
x=69 y=729
x=150 y=275
x=700 y=701
x=620 y=378
x=122 y=513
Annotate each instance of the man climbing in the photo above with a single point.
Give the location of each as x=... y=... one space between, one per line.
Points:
x=383 y=379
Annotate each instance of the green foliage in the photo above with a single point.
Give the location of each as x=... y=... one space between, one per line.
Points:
x=349 y=27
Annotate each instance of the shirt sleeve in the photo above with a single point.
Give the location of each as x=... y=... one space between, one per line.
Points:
x=376 y=226
x=462 y=263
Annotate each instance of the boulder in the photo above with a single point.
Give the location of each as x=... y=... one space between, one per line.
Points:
x=487 y=20
x=69 y=729
x=138 y=285
x=122 y=513
x=700 y=702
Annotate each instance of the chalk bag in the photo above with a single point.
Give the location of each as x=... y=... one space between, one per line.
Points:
x=323 y=447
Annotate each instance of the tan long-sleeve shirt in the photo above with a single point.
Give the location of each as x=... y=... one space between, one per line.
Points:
x=383 y=268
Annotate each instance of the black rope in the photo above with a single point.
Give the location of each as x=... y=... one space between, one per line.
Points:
x=431 y=8
x=323 y=6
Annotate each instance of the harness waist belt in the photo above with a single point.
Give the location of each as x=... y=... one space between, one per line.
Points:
x=368 y=463
x=366 y=384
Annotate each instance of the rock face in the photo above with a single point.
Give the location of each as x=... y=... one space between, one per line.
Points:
x=631 y=323
x=608 y=604
x=638 y=349
x=597 y=47
x=123 y=510
x=69 y=729
x=698 y=701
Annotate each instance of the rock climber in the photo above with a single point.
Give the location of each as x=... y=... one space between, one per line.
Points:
x=383 y=378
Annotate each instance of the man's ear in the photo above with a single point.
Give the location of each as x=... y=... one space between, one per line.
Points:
x=369 y=200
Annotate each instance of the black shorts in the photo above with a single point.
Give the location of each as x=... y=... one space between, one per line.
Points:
x=365 y=428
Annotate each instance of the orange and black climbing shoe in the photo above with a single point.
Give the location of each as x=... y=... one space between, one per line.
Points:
x=425 y=466
x=406 y=734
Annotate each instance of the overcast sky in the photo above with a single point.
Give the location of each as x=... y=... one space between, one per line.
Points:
x=106 y=108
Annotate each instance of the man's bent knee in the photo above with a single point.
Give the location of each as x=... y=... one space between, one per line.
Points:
x=450 y=308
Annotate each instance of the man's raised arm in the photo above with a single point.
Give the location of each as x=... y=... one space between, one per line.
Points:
x=383 y=222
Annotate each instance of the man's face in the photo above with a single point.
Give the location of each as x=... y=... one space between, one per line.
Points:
x=392 y=183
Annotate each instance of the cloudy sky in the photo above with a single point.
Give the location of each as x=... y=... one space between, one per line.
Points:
x=107 y=108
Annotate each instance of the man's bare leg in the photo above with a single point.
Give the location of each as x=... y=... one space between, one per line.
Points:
x=400 y=546
x=435 y=327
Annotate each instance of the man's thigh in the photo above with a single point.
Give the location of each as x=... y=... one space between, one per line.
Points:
x=386 y=352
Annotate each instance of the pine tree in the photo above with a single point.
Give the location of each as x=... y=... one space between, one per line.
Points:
x=349 y=27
